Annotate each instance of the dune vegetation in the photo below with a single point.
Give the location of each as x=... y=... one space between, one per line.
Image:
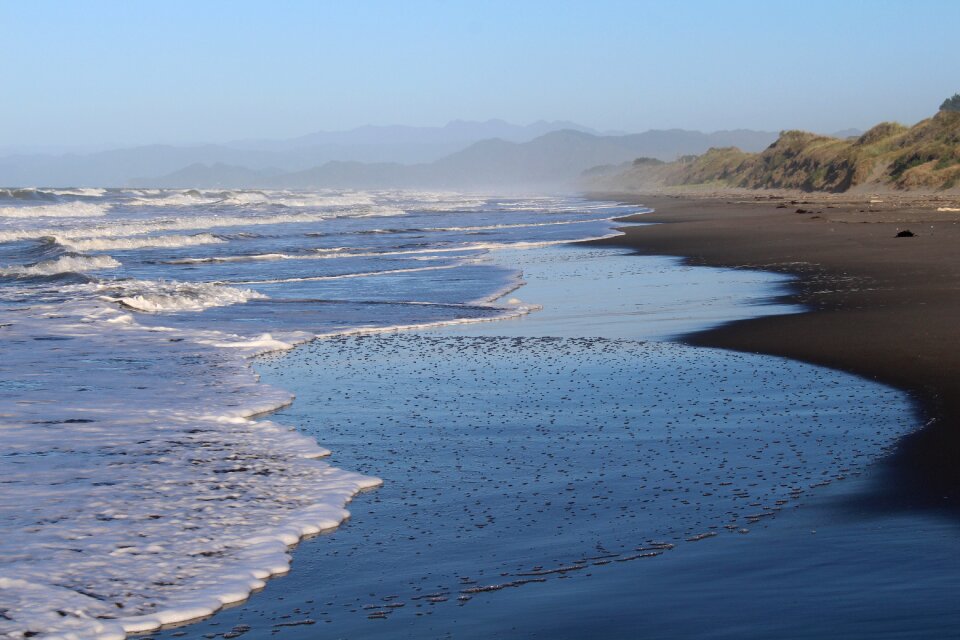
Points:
x=925 y=156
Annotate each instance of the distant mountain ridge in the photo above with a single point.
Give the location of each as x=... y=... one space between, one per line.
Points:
x=460 y=154
x=888 y=156
x=459 y=132
x=370 y=144
x=551 y=161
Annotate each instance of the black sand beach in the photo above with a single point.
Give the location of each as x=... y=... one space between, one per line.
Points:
x=881 y=306
x=460 y=515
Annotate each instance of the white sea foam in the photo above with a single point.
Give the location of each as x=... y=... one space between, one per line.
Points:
x=373 y=212
x=551 y=205
x=90 y=192
x=470 y=247
x=62 y=210
x=249 y=258
x=312 y=200
x=159 y=297
x=177 y=483
x=515 y=283
x=63 y=264
x=336 y=203
x=169 y=241
x=128 y=228
x=525 y=225
x=346 y=252
x=347 y=276
x=245 y=197
x=178 y=199
x=441 y=201
x=133 y=451
x=495 y=246
x=254 y=198
x=317 y=254
x=513 y=308
x=297 y=199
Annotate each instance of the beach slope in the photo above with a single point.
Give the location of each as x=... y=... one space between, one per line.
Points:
x=882 y=306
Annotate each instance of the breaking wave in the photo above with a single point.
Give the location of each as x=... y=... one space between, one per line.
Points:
x=180 y=199
x=27 y=195
x=62 y=210
x=171 y=395
x=136 y=228
x=348 y=252
x=159 y=297
x=169 y=242
x=86 y=192
x=63 y=264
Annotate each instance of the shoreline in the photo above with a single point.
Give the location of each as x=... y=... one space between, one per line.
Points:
x=467 y=326
x=624 y=317
x=879 y=306
x=378 y=561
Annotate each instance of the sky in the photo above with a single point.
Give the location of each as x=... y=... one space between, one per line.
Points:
x=101 y=73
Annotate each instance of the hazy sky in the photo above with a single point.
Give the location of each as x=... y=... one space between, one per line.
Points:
x=122 y=72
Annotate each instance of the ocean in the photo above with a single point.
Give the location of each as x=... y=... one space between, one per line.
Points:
x=513 y=436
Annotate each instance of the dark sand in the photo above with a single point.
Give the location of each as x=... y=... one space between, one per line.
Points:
x=834 y=567
x=883 y=307
x=537 y=487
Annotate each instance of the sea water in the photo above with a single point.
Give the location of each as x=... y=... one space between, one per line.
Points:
x=143 y=486
x=570 y=473
x=140 y=486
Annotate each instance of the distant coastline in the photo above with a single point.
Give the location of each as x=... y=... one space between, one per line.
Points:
x=493 y=156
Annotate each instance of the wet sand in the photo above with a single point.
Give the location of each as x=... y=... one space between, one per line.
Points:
x=881 y=306
x=505 y=453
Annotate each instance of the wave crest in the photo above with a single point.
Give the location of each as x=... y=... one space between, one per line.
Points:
x=62 y=210
x=63 y=264
x=151 y=296
x=168 y=242
x=188 y=198
x=27 y=194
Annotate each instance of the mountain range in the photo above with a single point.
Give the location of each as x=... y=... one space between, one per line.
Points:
x=475 y=155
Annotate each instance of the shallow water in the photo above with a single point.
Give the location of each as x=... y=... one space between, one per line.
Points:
x=131 y=423
x=506 y=452
x=129 y=418
x=613 y=293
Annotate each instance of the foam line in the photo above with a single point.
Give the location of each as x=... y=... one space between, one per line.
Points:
x=63 y=210
x=345 y=276
x=167 y=297
x=168 y=507
x=133 y=450
x=63 y=264
x=148 y=242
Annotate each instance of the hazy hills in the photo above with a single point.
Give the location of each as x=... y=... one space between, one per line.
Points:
x=553 y=160
x=369 y=144
x=452 y=136
x=492 y=154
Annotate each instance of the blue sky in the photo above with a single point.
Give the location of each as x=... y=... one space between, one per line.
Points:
x=102 y=73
